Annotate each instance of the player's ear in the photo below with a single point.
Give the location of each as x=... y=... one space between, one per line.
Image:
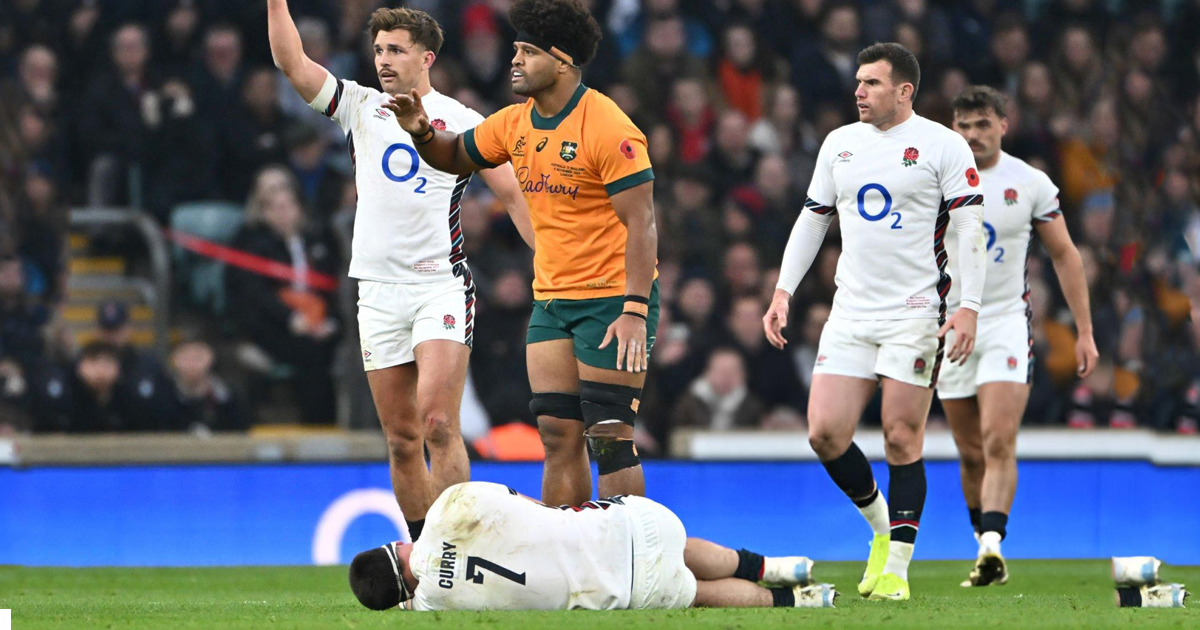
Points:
x=430 y=57
x=1003 y=126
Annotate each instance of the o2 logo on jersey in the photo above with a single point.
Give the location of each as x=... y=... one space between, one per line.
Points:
x=884 y=212
x=414 y=165
x=991 y=240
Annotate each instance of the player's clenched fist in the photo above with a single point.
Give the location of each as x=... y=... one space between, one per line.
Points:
x=410 y=113
x=776 y=318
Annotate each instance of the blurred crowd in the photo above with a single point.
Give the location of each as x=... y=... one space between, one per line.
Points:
x=156 y=103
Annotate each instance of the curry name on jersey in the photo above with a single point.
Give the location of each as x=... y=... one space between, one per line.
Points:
x=893 y=191
x=485 y=547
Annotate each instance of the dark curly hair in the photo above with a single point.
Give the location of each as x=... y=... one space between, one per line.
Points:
x=565 y=21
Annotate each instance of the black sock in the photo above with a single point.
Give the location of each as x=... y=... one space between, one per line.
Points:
x=994 y=522
x=906 y=499
x=1130 y=597
x=750 y=566
x=975 y=515
x=414 y=529
x=785 y=598
x=852 y=473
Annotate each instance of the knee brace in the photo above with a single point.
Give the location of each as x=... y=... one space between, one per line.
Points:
x=564 y=406
x=603 y=403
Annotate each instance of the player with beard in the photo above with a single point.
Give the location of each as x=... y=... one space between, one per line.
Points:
x=985 y=397
x=586 y=175
x=896 y=181
x=416 y=296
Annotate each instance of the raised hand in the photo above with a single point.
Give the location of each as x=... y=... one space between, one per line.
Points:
x=410 y=113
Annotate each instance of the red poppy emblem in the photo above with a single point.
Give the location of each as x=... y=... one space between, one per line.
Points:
x=438 y=123
x=627 y=149
x=972 y=176
x=1010 y=196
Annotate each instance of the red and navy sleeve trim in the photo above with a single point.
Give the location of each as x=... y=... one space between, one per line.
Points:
x=1049 y=216
x=817 y=208
x=336 y=100
x=965 y=200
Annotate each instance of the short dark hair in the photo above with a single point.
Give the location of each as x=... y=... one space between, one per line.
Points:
x=980 y=98
x=374 y=581
x=420 y=25
x=565 y=21
x=904 y=64
x=100 y=349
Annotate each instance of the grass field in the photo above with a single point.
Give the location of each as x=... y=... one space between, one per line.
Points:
x=1041 y=594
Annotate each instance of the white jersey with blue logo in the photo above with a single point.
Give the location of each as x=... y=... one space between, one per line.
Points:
x=1017 y=196
x=406 y=228
x=893 y=191
x=485 y=547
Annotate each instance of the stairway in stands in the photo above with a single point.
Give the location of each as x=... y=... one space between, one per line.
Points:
x=95 y=279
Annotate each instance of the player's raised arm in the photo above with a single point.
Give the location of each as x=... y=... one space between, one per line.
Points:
x=504 y=185
x=305 y=75
x=1069 y=268
x=443 y=150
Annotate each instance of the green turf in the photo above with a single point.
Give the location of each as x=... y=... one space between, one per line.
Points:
x=1041 y=594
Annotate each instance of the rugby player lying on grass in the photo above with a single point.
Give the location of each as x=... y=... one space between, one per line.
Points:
x=486 y=547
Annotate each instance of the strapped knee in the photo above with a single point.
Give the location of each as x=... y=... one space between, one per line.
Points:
x=602 y=404
x=564 y=406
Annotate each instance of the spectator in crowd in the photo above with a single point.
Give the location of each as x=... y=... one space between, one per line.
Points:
x=219 y=77
x=772 y=373
x=292 y=321
x=255 y=135
x=824 y=72
x=1009 y=53
x=86 y=397
x=111 y=131
x=692 y=118
x=206 y=403
x=662 y=58
x=499 y=349
x=805 y=352
x=145 y=386
x=720 y=400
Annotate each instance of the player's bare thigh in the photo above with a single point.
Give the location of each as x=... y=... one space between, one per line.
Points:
x=394 y=390
x=963 y=416
x=835 y=405
x=905 y=410
x=552 y=370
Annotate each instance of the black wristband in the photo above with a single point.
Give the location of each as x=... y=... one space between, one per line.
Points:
x=635 y=314
x=431 y=133
x=637 y=298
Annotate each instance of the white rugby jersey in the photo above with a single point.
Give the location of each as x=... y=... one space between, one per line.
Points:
x=484 y=547
x=1017 y=196
x=406 y=227
x=893 y=191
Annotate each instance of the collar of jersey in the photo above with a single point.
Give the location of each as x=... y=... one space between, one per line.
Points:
x=897 y=129
x=541 y=123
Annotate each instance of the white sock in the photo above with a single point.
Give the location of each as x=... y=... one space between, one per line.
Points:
x=876 y=514
x=990 y=541
x=899 y=555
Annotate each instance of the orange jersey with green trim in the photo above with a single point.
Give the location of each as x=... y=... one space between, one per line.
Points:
x=568 y=167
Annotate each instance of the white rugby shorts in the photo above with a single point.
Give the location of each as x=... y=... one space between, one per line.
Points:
x=660 y=577
x=906 y=350
x=394 y=318
x=1003 y=353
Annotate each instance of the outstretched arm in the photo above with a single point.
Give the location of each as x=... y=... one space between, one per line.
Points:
x=504 y=185
x=442 y=150
x=305 y=75
x=1069 y=268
